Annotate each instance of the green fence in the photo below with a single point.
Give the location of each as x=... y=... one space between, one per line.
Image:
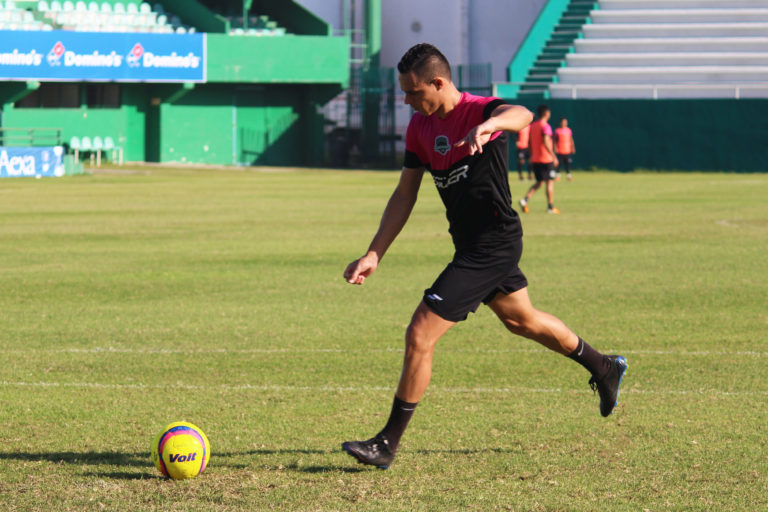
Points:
x=688 y=135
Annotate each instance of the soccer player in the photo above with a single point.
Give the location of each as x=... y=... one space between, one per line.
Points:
x=543 y=160
x=461 y=139
x=523 y=153
x=565 y=147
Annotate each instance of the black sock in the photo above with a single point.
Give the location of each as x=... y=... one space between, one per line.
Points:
x=398 y=420
x=595 y=362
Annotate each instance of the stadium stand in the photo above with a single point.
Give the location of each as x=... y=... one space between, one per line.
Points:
x=110 y=17
x=655 y=49
x=259 y=97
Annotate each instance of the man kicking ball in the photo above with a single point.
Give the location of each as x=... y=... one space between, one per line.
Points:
x=461 y=139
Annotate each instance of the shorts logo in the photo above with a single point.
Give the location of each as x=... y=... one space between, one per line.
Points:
x=435 y=297
x=453 y=177
x=442 y=145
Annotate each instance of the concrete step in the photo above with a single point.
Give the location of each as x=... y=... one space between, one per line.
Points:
x=657 y=75
x=680 y=16
x=666 y=59
x=643 y=91
x=672 y=44
x=606 y=5
x=653 y=30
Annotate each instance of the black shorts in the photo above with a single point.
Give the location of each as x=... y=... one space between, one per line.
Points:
x=544 y=172
x=476 y=275
x=523 y=154
x=564 y=161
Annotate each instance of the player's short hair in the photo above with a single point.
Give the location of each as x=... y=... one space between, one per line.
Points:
x=426 y=62
x=543 y=109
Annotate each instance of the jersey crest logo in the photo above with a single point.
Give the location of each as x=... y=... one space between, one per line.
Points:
x=442 y=145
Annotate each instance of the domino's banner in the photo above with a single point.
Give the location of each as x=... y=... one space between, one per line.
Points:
x=30 y=162
x=82 y=56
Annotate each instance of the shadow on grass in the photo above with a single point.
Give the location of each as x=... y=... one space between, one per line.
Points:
x=230 y=460
x=119 y=460
x=329 y=468
x=135 y=459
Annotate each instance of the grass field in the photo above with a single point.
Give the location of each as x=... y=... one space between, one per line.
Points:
x=135 y=298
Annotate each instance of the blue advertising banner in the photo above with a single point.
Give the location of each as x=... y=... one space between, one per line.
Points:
x=31 y=162
x=101 y=56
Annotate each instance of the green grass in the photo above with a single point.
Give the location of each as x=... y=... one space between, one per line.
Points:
x=130 y=300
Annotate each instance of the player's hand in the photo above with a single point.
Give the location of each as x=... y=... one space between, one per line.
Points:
x=556 y=162
x=358 y=270
x=476 y=138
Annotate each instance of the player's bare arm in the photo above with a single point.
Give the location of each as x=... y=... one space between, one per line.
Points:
x=394 y=218
x=549 y=147
x=511 y=118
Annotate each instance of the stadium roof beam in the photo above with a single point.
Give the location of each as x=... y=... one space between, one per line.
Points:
x=11 y=92
x=174 y=92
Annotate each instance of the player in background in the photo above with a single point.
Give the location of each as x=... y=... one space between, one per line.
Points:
x=565 y=148
x=461 y=139
x=523 y=152
x=543 y=160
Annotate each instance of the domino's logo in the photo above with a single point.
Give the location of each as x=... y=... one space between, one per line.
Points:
x=134 y=57
x=54 y=56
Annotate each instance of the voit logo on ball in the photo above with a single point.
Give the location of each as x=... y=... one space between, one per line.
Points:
x=134 y=57
x=54 y=56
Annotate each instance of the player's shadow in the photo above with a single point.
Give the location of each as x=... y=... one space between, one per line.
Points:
x=141 y=461
x=291 y=466
x=120 y=460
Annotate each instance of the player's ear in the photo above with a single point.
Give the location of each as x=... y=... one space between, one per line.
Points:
x=439 y=82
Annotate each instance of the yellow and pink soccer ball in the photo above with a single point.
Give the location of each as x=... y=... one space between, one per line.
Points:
x=181 y=450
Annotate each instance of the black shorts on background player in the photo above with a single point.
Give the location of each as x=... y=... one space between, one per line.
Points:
x=543 y=172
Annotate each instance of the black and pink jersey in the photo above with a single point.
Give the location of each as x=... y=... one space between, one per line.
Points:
x=474 y=189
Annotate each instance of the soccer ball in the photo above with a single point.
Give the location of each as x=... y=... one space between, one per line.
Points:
x=181 y=450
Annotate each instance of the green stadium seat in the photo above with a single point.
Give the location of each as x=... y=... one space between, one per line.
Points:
x=109 y=145
x=74 y=144
x=98 y=145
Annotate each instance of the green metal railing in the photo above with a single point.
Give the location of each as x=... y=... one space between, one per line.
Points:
x=30 y=137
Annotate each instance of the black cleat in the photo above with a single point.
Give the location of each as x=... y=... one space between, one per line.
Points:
x=374 y=451
x=608 y=386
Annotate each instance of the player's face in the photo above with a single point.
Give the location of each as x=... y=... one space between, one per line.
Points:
x=422 y=97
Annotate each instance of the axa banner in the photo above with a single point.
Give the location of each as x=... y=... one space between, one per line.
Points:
x=30 y=162
x=100 y=56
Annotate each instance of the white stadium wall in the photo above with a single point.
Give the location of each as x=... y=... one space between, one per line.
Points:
x=467 y=31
